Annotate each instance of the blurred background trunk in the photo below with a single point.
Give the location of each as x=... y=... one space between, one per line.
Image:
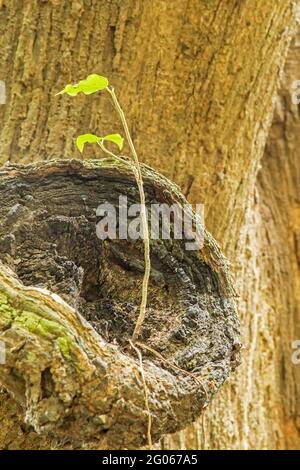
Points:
x=264 y=397
x=197 y=80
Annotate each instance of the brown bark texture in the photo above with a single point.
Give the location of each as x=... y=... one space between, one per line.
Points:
x=198 y=81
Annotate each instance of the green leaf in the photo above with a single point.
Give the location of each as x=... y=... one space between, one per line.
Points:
x=86 y=138
x=116 y=139
x=71 y=90
x=92 y=84
x=88 y=86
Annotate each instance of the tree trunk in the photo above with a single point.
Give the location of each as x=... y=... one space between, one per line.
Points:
x=270 y=301
x=197 y=81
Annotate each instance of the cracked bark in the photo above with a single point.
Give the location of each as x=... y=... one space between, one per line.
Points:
x=268 y=412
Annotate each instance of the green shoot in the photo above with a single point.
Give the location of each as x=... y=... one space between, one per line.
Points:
x=91 y=138
x=88 y=86
x=92 y=84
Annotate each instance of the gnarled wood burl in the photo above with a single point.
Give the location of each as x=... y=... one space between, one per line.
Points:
x=69 y=301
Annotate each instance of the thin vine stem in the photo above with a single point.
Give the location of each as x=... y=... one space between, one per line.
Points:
x=145 y=230
x=146 y=394
x=102 y=146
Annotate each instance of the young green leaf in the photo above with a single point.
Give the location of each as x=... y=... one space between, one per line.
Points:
x=88 y=86
x=116 y=139
x=71 y=90
x=92 y=84
x=86 y=138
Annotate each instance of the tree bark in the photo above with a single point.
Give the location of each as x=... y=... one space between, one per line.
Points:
x=197 y=80
x=267 y=415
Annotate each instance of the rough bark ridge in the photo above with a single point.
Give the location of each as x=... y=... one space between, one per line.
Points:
x=76 y=386
x=197 y=80
x=279 y=189
x=270 y=290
